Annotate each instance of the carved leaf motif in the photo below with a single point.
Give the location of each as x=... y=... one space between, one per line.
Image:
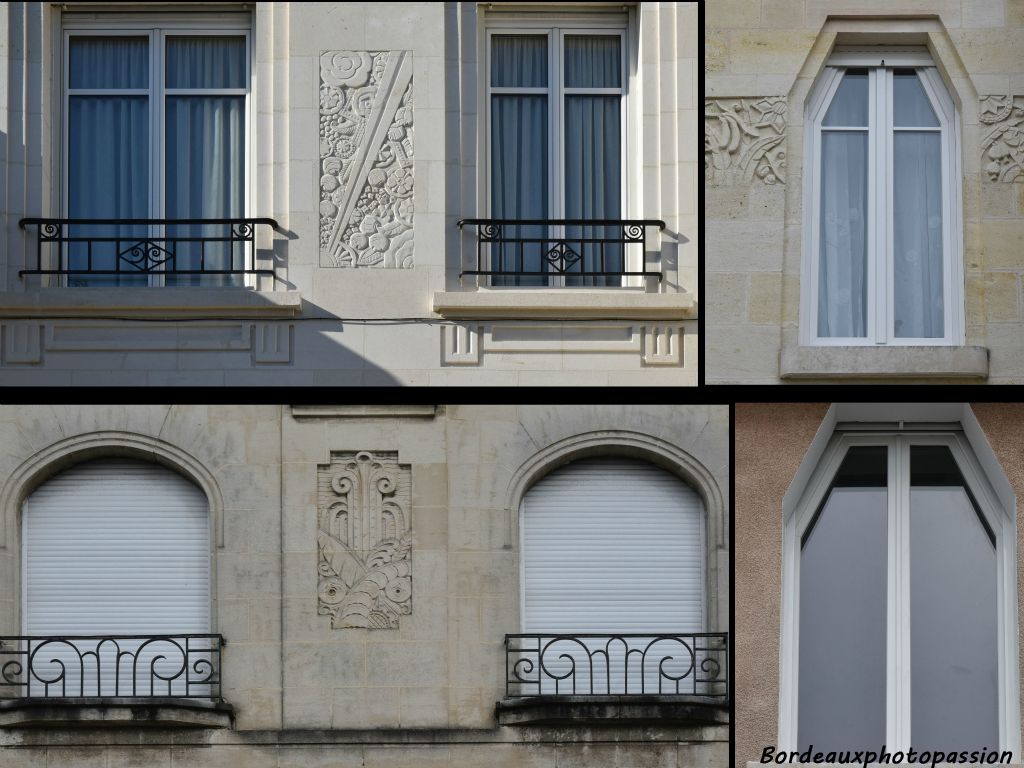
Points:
x=364 y=541
x=1003 y=144
x=744 y=139
x=366 y=164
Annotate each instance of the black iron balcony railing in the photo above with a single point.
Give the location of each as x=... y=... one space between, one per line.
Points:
x=576 y=251
x=130 y=251
x=109 y=666
x=617 y=665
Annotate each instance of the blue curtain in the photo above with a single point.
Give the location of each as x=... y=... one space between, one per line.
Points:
x=205 y=62
x=205 y=153
x=108 y=153
x=593 y=168
x=519 y=154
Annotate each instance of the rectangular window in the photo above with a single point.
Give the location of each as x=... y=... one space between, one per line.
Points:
x=155 y=132
x=556 y=144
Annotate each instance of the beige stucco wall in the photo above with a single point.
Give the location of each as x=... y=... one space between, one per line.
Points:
x=423 y=693
x=324 y=324
x=771 y=441
x=768 y=53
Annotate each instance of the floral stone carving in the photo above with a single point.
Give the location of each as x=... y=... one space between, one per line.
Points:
x=744 y=139
x=364 y=539
x=366 y=161
x=1003 y=143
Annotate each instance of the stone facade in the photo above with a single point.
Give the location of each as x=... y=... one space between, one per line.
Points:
x=772 y=440
x=761 y=59
x=401 y=678
x=367 y=148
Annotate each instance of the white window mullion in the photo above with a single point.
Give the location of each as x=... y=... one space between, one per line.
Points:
x=900 y=717
x=893 y=603
x=881 y=187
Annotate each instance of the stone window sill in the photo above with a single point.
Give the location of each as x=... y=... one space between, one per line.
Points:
x=613 y=710
x=116 y=712
x=150 y=302
x=968 y=362
x=565 y=304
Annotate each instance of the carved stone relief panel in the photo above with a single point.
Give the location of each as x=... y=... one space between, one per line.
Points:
x=744 y=139
x=366 y=159
x=1002 y=143
x=364 y=539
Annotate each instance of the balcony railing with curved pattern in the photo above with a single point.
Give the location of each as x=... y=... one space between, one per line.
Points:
x=132 y=251
x=617 y=665
x=588 y=252
x=110 y=666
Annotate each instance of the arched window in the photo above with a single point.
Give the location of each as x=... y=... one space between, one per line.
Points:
x=899 y=556
x=883 y=248
x=120 y=549
x=614 y=563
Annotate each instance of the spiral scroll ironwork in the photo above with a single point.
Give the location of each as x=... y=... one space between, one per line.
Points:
x=617 y=664
x=175 y=666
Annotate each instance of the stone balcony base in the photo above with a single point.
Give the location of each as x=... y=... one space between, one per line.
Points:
x=115 y=712
x=613 y=710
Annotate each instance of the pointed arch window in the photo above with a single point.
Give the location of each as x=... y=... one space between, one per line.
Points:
x=883 y=254
x=899 y=620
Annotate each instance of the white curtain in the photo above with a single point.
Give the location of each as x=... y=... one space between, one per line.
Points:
x=593 y=178
x=842 y=270
x=917 y=213
x=519 y=152
x=843 y=265
x=108 y=151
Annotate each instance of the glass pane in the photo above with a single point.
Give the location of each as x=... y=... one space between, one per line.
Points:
x=108 y=178
x=593 y=61
x=206 y=62
x=593 y=186
x=205 y=138
x=842 y=610
x=954 y=688
x=917 y=235
x=519 y=61
x=849 y=106
x=910 y=103
x=519 y=184
x=108 y=62
x=843 y=263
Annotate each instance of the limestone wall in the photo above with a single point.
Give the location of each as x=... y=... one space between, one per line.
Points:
x=761 y=58
x=311 y=684
x=368 y=260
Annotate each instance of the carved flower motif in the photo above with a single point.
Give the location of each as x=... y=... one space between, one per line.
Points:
x=345 y=68
x=399 y=182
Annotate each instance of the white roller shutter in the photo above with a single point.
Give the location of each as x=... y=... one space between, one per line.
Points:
x=116 y=547
x=612 y=546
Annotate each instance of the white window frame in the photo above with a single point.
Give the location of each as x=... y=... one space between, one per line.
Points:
x=556 y=27
x=898 y=656
x=157 y=28
x=880 y=289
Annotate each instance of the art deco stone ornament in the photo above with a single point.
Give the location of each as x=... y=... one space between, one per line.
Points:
x=1003 y=143
x=366 y=159
x=364 y=540
x=744 y=140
